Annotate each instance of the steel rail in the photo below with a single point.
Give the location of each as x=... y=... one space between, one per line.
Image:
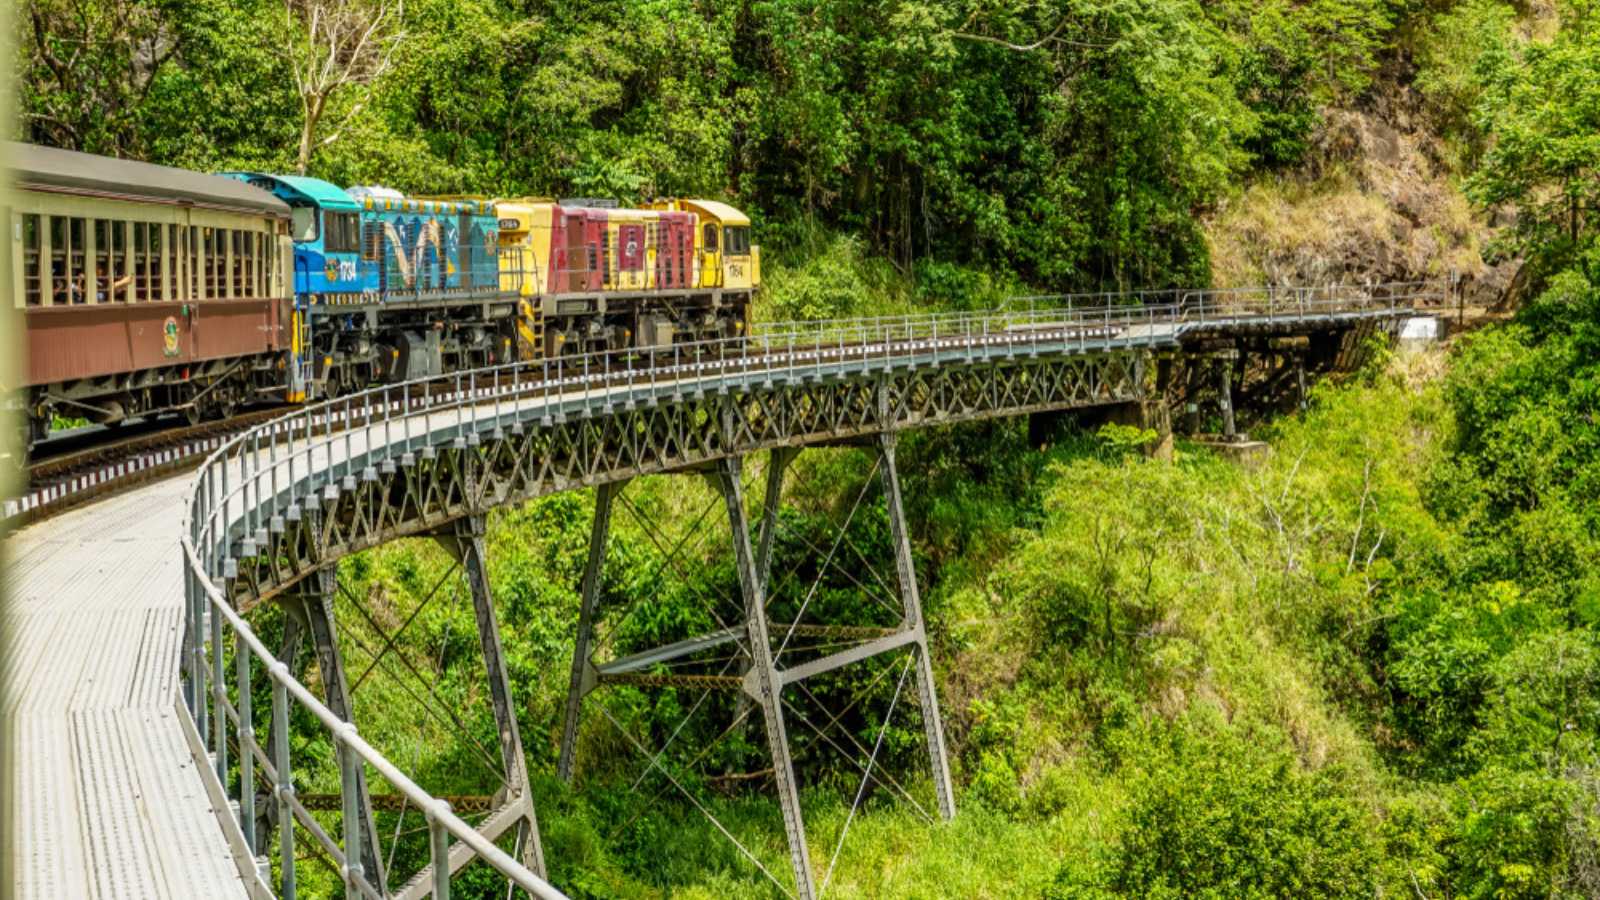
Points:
x=248 y=486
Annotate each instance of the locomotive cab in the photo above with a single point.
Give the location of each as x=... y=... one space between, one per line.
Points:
x=724 y=256
x=325 y=225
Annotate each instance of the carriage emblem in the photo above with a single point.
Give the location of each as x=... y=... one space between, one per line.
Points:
x=169 y=336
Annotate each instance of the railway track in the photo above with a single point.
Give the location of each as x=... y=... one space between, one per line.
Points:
x=82 y=469
x=92 y=466
x=94 y=469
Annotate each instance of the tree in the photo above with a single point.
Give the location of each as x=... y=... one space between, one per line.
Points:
x=338 y=44
x=1542 y=115
x=89 y=67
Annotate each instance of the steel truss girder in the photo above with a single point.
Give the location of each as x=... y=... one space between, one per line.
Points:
x=423 y=492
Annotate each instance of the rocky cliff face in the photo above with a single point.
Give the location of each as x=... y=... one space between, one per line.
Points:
x=1373 y=202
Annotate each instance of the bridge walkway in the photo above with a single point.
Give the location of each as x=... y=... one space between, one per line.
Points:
x=107 y=800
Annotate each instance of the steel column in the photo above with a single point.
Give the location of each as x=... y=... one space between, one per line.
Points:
x=1225 y=398
x=911 y=603
x=1301 y=400
x=778 y=461
x=315 y=597
x=767 y=681
x=589 y=596
x=294 y=626
x=465 y=542
x=1191 y=394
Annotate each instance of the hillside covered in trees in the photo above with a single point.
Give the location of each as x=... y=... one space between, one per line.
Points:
x=1368 y=667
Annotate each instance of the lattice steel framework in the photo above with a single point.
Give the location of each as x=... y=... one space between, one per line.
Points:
x=421 y=492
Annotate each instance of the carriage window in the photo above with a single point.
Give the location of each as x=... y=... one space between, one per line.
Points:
x=252 y=259
x=156 y=288
x=196 y=285
x=236 y=264
x=116 y=277
x=177 y=242
x=343 y=233
x=738 y=239
x=710 y=237
x=72 y=273
x=140 y=250
x=32 y=290
x=268 y=260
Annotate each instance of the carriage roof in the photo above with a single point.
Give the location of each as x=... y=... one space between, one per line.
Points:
x=67 y=171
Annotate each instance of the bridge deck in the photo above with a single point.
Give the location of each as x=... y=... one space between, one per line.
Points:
x=107 y=799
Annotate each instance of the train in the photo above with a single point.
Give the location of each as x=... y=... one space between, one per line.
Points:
x=149 y=290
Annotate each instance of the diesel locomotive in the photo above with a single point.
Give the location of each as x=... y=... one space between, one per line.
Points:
x=149 y=290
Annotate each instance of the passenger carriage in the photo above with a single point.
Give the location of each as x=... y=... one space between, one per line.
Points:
x=145 y=289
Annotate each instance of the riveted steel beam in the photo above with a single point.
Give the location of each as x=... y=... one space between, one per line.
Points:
x=911 y=604
x=766 y=678
x=464 y=541
x=315 y=601
x=589 y=595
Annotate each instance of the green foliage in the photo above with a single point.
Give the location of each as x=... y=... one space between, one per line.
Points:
x=1231 y=814
x=1458 y=50
x=1289 y=59
x=1067 y=144
x=1544 y=156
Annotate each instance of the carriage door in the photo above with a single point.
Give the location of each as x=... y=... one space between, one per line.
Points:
x=710 y=258
x=579 y=265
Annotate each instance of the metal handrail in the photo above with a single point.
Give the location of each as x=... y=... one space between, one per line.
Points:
x=437 y=811
x=318 y=449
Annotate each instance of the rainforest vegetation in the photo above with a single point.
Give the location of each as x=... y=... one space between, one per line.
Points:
x=1368 y=666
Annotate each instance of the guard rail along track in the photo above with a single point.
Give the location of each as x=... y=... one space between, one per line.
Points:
x=291 y=497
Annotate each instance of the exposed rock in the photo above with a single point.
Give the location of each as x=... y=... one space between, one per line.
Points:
x=1369 y=206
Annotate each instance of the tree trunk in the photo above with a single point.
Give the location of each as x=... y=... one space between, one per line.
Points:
x=308 y=133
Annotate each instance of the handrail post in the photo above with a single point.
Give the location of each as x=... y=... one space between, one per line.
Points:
x=439 y=847
x=285 y=786
x=348 y=761
x=219 y=694
x=247 y=743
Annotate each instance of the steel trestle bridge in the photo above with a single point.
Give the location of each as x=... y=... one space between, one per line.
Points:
x=159 y=704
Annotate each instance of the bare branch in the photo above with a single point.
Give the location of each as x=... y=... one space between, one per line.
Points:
x=339 y=45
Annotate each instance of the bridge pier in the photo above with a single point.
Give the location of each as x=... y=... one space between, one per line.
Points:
x=912 y=623
x=763 y=682
x=583 y=678
x=1226 y=362
x=762 y=679
x=311 y=600
x=514 y=800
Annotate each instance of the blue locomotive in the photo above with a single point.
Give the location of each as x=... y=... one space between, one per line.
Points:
x=380 y=280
